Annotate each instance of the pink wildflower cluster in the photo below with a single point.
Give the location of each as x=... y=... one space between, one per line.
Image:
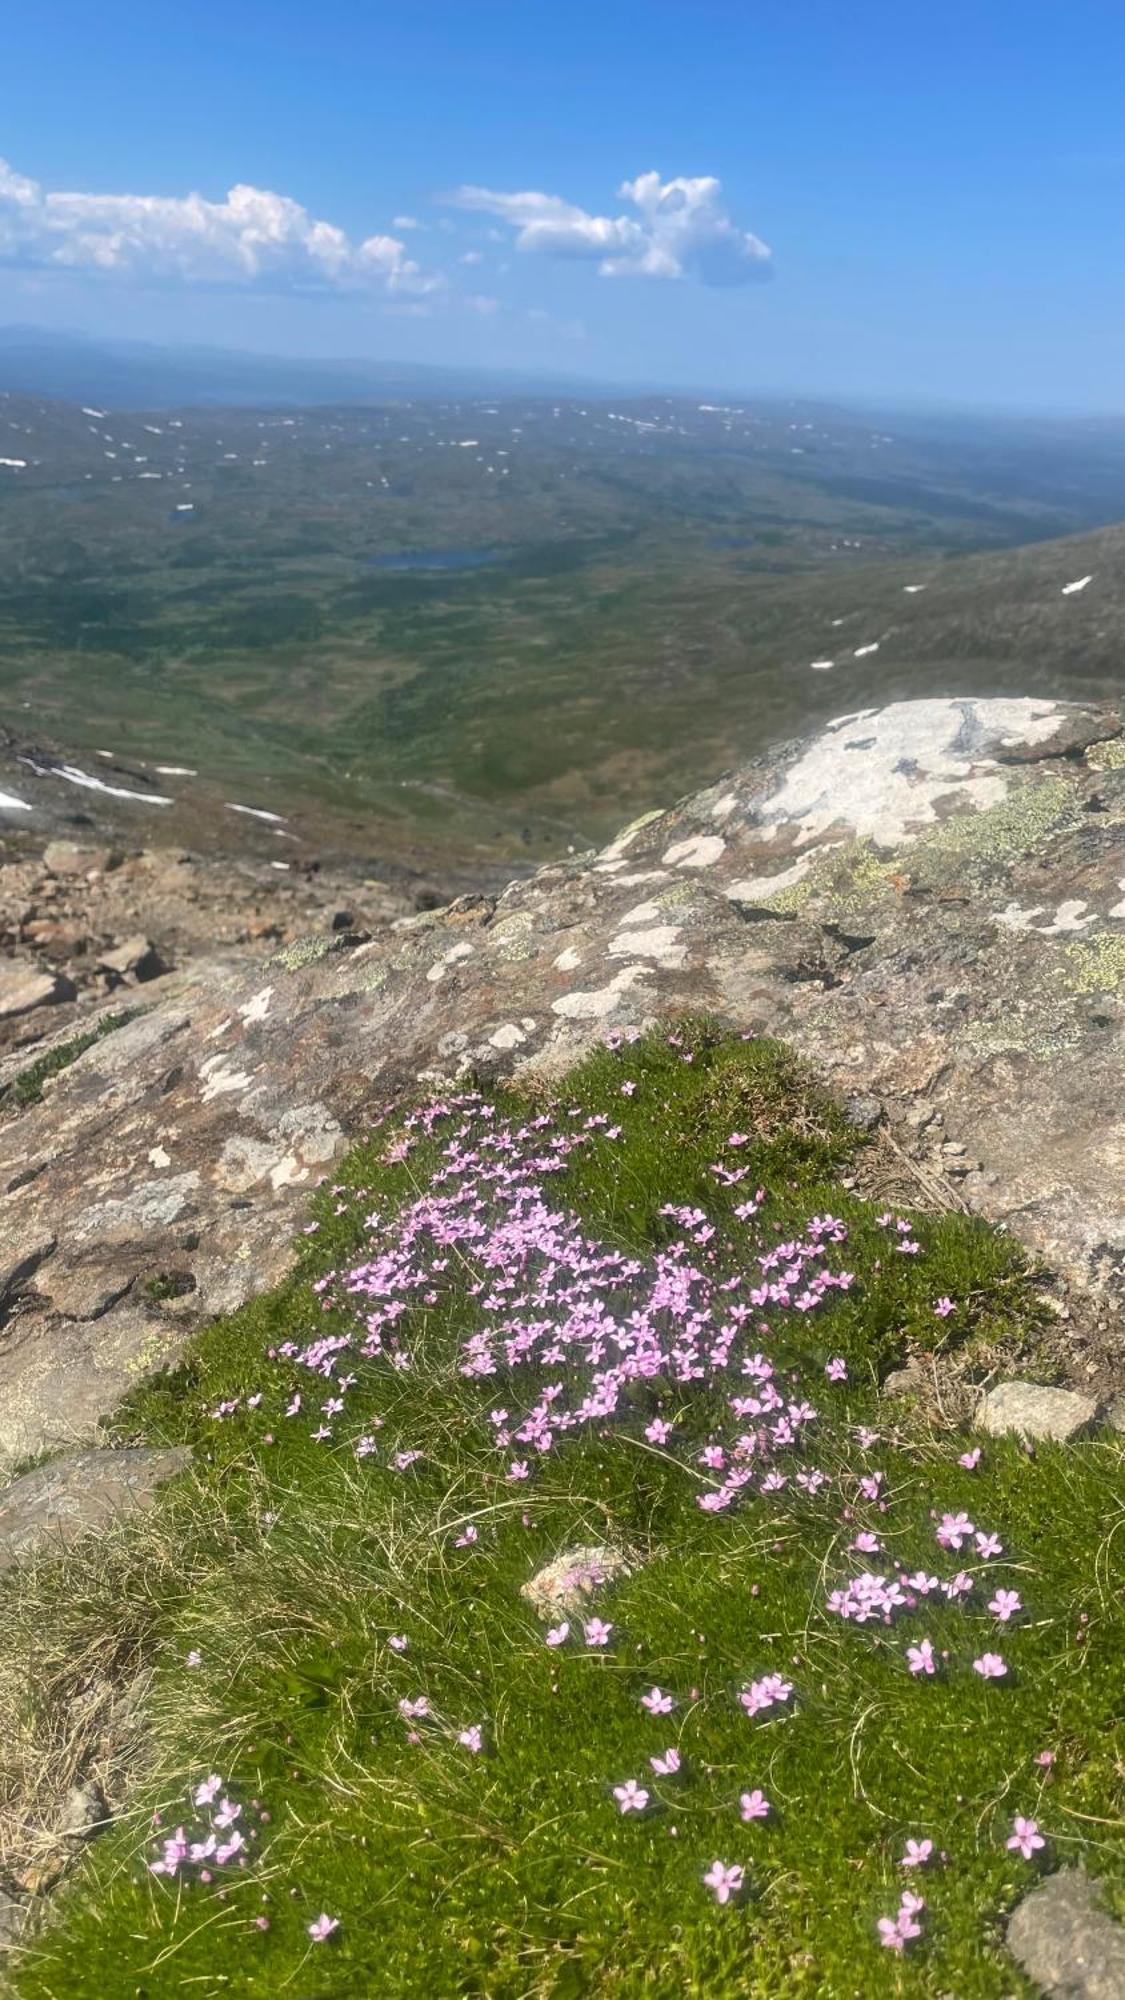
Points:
x=596 y=1334
x=222 y=1837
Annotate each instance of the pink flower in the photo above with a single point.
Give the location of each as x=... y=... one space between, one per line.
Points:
x=765 y=1693
x=519 y=1469
x=411 y=1710
x=227 y=1814
x=466 y=1540
x=398 y=1642
x=1005 y=1604
x=837 y=1369
x=970 y=1459
x=990 y=1667
x=657 y=1702
x=944 y=1307
x=658 y=1432
x=322 y=1927
x=1045 y=1759
x=917 y=1853
x=953 y=1529
x=596 y=1633
x=723 y=1882
x=989 y=1545
x=754 y=1805
x=896 y=1932
x=208 y=1791
x=558 y=1634
x=627 y=1088
x=920 y=1658
x=667 y=1765
x=1025 y=1837
x=471 y=1740
x=630 y=1796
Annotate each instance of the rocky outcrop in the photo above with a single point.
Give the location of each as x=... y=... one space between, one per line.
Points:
x=928 y=900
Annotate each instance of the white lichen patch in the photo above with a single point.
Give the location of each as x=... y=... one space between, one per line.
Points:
x=626 y=837
x=723 y=808
x=1118 y=909
x=157 y=1157
x=568 y=960
x=1068 y=917
x=600 y=1001
x=257 y=1008
x=659 y=943
x=882 y=772
x=455 y=953
x=759 y=888
x=220 y=1079
x=701 y=851
x=152 y=1206
x=509 y=1036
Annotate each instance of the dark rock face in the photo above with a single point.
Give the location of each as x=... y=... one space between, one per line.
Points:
x=928 y=900
x=1067 y=1942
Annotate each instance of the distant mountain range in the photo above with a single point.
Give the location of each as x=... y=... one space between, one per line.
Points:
x=136 y=375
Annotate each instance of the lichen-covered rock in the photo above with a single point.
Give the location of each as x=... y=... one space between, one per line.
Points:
x=1067 y=1942
x=927 y=900
x=565 y=1587
x=1032 y=1410
x=76 y=1493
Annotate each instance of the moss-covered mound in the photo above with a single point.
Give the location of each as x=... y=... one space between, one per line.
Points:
x=857 y=1677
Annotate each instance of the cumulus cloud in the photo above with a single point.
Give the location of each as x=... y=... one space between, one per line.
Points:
x=677 y=229
x=252 y=238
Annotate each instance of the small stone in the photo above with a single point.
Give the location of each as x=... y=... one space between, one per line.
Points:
x=137 y=958
x=66 y=857
x=1068 y=1945
x=1035 y=1411
x=863 y=1112
x=563 y=1588
x=1115 y=1415
x=908 y=1381
x=23 y=988
x=84 y=1813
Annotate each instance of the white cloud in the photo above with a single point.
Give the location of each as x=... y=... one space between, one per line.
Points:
x=678 y=229
x=252 y=238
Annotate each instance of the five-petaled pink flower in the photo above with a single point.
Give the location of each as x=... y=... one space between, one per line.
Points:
x=920 y=1658
x=754 y=1805
x=990 y=1667
x=471 y=1739
x=322 y=1927
x=1005 y=1604
x=970 y=1459
x=837 y=1369
x=596 y=1633
x=557 y=1635
x=630 y=1796
x=657 y=1702
x=723 y=1881
x=1025 y=1837
x=944 y=1307
x=917 y=1853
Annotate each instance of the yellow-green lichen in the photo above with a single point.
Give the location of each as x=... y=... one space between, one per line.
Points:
x=1096 y=964
x=1108 y=756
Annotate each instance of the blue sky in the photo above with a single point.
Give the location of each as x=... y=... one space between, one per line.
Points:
x=940 y=187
